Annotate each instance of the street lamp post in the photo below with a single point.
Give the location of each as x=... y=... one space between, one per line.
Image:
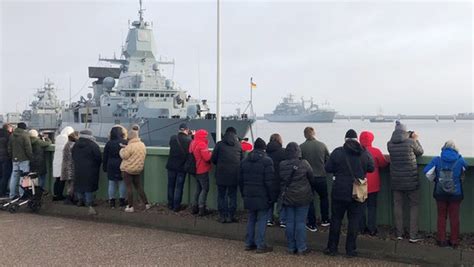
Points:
x=218 y=82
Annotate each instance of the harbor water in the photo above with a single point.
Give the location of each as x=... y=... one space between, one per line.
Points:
x=432 y=134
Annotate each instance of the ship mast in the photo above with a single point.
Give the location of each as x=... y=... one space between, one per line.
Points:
x=140 y=11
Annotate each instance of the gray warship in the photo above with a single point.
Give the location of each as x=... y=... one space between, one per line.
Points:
x=45 y=111
x=143 y=95
x=290 y=110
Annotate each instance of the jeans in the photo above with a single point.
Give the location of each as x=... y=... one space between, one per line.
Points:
x=321 y=188
x=450 y=208
x=42 y=180
x=295 y=228
x=175 y=188
x=281 y=214
x=413 y=202
x=18 y=167
x=256 y=226
x=202 y=188
x=354 y=212
x=5 y=174
x=134 y=181
x=226 y=200
x=113 y=188
x=87 y=197
x=369 y=221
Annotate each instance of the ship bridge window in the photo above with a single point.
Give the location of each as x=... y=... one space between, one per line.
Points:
x=132 y=94
x=162 y=95
x=172 y=95
x=95 y=111
x=140 y=94
x=146 y=95
x=127 y=94
x=167 y=95
x=152 y=95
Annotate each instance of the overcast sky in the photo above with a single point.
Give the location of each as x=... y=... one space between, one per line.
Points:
x=404 y=57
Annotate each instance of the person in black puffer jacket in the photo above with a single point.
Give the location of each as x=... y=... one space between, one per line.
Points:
x=179 y=147
x=361 y=162
x=277 y=153
x=260 y=190
x=227 y=156
x=5 y=160
x=111 y=164
x=296 y=182
x=404 y=148
x=38 y=162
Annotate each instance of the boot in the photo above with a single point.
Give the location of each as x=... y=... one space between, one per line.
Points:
x=194 y=210
x=122 y=202
x=112 y=203
x=202 y=211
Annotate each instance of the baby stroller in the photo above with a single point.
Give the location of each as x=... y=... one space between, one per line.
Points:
x=31 y=196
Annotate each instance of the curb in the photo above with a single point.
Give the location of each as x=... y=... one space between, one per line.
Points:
x=400 y=251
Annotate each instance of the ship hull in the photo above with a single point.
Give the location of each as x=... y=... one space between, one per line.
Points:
x=157 y=131
x=314 y=117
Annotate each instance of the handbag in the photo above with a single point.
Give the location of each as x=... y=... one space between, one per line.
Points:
x=359 y=185
x=285 y=189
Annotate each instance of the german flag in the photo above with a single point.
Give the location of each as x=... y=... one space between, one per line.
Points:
x=252 y=84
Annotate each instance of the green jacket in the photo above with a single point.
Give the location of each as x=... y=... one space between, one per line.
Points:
x=38 y=163
x=317 y=154
x=19 y=146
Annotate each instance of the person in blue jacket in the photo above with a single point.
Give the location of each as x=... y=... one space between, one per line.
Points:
x=446 y=171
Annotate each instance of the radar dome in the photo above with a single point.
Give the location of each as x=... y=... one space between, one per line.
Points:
x=109 y=83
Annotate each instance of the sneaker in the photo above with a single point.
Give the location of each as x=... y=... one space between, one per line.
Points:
x=351 y=254
x=250 y=248
x=265 y=249
x=80 y=203
x=311 y=228
x=194 y=210
x=329 y=252
x=282 y=225
x=202 y=211
x=221 y=220
x=442 y=244
x=399 y=238
x=147 y=206
x=122 y=202
x=303 y=253
x=112 y=203
x=415 y=240
x=233 y=219
x=270 y=223
x=92 y=211
x=325 y=223
x=129 y=209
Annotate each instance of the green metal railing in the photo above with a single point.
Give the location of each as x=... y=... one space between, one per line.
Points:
x=155 y=183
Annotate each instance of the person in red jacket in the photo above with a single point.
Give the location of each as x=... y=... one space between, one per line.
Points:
x=368 y=223
x=200 y=149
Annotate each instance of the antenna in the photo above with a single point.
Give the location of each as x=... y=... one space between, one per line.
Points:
x=140 y=11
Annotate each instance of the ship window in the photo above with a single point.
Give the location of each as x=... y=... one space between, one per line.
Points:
x=162 y=95
x=146 y=95
x=132 y=94
x=152 y=95
x=172 y=95
x=76 y=116
x=85 y=117
x=140 y=94
x=167 y=95
x=95 y=111
x=127 y=94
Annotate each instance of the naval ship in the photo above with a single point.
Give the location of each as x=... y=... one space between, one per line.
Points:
x=45 y=111
x=137 y=92
x=290 y=110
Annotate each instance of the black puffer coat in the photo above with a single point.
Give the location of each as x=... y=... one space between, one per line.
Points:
x=277 y=153
x=299 y=191
x=4 y=136
x=257 y=180
x=38 y=162
x=227 y=156
x=87 y=159
x=361 y=162
x=179 y=147
x=112 y=159
x=403 y=168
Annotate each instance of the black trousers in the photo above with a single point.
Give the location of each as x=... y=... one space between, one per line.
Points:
x=321 y=188
x=58 y=187
x=5 y=173
x=354 y=212
x=369 y=214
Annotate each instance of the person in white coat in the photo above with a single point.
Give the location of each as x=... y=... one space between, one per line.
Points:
x=59 y=144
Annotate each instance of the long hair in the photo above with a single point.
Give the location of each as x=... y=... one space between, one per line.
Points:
x=276 y=138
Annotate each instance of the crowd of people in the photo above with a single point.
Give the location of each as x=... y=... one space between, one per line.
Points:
x=278 y=184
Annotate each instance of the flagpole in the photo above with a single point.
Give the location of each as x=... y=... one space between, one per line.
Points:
x=251 y=97
x=218 y=82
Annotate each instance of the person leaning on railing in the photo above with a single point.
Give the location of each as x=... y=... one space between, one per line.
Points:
x=446 y=171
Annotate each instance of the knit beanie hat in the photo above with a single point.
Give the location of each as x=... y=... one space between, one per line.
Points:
x=33 y=133
x=260 y=144
x=21 y=125
x=85 y=132
x=400 y=126
x=450 y=144
x=351 y=134
x=231 y=130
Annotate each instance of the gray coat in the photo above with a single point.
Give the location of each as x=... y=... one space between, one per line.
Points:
x=403 y=168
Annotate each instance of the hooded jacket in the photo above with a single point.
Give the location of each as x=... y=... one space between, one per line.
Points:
x=200 y=149
x=449 y=158
x=317 y=154
x=19 y=146
x=227 y=156
x=373 y=179
x=277 y=153
x=38 y=163
x=59 y=143
x=133 y=157
x=403 y=167
x=111 y=156
x=360 y=161
x=87 y=159
x=257 y=181
x=299 y=191
x=179 y=147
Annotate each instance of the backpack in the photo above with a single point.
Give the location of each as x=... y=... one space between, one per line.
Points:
x=190 y=164
x=445 y=181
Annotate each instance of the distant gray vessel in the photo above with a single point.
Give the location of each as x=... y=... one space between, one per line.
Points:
x=143 y=95
x=45 y=109
x=290 y=110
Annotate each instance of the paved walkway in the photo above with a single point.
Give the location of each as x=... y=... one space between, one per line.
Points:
x=35 y=240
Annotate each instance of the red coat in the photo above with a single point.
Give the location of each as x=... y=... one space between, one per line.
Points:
x=246 y=146
x=199 y=147
x=373 y=179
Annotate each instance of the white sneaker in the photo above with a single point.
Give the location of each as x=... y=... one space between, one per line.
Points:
x=147 y=206
x=399 y=238
x=129 y=209
x=92 y=211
